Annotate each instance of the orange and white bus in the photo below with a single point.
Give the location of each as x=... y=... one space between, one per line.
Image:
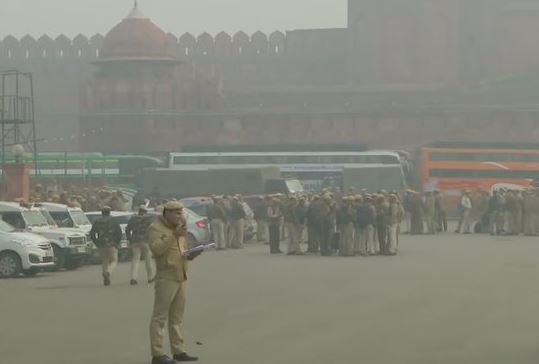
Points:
x=452 y=167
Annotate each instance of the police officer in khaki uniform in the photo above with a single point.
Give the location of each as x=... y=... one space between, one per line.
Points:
x=168 y=243
x=218 y=218
x=237 y=223
x=107 y=237
x=292 y=222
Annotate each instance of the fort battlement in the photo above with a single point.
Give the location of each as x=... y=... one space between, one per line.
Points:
x=297 y=57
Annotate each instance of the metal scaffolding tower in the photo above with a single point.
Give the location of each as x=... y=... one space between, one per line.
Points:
x=17 y=114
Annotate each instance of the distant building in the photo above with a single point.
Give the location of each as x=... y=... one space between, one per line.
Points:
x=138 y=93
x=401 y=73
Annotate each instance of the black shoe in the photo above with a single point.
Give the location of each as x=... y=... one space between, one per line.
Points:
x=162 y=360
x=184 y=357
x=106 y=279
x=133 y=282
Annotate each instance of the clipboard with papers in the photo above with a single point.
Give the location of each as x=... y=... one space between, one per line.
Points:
x=198 y=248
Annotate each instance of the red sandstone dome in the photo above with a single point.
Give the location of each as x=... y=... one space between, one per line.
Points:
x=136 y=38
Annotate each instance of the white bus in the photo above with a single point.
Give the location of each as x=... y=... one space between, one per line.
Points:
x=312 y=168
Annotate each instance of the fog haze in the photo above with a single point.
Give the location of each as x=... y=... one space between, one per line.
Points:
x=71 y=17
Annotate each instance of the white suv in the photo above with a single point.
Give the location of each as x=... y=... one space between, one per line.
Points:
x=69 y=245
x=23 y=252
x=67 y=216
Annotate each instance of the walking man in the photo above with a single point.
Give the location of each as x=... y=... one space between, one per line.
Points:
x=107 y=236
x=136 y=235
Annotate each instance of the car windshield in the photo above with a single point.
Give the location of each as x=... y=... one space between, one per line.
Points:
x=62 y=218
x=5 y=227
x=49 y=218
x=79 y=218
x=34 y=218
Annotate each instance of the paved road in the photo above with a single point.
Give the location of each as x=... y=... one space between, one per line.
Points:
x=445 y=299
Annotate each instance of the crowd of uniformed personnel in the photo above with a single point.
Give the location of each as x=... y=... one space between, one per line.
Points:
x=86 y=198
x=502 y=211
x=347 y=225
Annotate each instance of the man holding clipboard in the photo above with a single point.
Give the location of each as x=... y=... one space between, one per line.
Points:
x=167 y=237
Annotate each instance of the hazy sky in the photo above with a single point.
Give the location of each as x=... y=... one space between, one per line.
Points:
x=70 y=17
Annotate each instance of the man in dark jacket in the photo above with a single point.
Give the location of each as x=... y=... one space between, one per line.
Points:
x=107 y=236
x=135 y=233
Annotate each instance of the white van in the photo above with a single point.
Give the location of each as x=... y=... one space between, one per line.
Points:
x=69 y=245
x=23 y=252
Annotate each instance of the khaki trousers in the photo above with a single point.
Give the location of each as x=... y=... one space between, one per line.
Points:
x=293 y=238
x=140 y=249
x=393 y=229
x=431 y=223
x=369 y=242
x=109 y=258
x=466 y=222
x=169 y=306
x=236 y=233
x=346 y=244
x=218 y=230
x=262 y=231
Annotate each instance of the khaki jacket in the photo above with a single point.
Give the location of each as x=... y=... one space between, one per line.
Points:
x=168 y=251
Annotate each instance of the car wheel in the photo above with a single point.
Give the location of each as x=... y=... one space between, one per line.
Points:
x=59 y=258
x=10 y=265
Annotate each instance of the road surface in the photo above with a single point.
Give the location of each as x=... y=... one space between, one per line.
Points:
x=444 y=299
